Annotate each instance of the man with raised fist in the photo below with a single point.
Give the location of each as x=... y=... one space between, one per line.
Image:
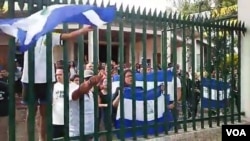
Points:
x=85 y=93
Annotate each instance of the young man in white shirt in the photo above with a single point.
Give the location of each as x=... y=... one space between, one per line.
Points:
x=58 y=105
x=40 y=69
x=171 y=92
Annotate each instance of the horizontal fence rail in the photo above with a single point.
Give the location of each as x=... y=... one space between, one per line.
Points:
x=164 y=73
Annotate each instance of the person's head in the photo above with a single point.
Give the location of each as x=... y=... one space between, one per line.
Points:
x=75 y=78
x=59 y=75
x=4 y=73
x=72 y=64
x=128 y=77
x=113 y=62
x=197 y=76
x=114 y=72
x=137 y=65
x=59 y=64
x=162 y=87
x=187 y=75
x=88 y=74
x=89 y=66
x=149 y=69
x=170 y=65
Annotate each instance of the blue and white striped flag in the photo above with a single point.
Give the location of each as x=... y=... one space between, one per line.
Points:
x=220 y=92
x=28 y=30
x=139 y=79
x=163 y=116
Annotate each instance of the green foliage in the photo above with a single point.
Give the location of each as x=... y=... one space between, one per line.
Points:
x=219 y=9
x=225 y=3
x=197 y=6
x=187 y=7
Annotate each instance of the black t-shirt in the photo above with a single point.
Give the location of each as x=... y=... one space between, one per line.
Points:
x=4 y=99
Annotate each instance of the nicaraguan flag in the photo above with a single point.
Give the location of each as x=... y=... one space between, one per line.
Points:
x=150 y=78
x=220 y=92
x=163 y=116
x=28 y=30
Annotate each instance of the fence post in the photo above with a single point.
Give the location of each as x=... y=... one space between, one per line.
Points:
x=243 y=11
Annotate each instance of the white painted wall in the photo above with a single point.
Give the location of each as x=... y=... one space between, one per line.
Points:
x=243 y=14
x=196 y=57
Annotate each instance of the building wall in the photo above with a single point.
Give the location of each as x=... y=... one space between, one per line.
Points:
x=4 y=51
x=4 y=56
x=189 y=59
x=149 y=49
x=58 y=52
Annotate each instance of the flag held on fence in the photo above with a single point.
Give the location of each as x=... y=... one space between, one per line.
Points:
x=139 y=79
x=28 y=30
x=220 y=92
x=162 y=115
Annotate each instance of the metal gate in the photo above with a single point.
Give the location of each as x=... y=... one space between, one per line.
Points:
x=192 y=45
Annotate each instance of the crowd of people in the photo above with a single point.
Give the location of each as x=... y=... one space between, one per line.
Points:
x=83 y=93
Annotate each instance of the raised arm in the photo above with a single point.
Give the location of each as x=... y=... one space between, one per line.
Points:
x=85 y=87
x=74 y=34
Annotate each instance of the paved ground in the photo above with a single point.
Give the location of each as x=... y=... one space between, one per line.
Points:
x=20 y=122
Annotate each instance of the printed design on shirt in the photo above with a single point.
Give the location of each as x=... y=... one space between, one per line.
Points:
x=59 y=94
x=2 y=95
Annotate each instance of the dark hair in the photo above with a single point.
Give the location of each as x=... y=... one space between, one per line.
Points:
x=74 y=77
x=59 y=68
x=127 y=71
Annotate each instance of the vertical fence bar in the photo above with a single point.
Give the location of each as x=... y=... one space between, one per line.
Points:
x=174 y=49
x=232 y=63
x=49 y=87
x=108 y=125
x=49 y=50
x=121 y=65
x=164 y=68
x=155 y=72
x=11 y=66
x=225 y=67
x=216 y=67
x=193 y=75
x=80 y=48
x=31 y=98
x=238 y=88
x=132 y=51
x=201 y=71
x=66 y=85
x=144 y=63
x=96 y=62
x=209 y=70
x=184 y=90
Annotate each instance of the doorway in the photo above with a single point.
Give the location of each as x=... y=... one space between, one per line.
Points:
x=103 y=53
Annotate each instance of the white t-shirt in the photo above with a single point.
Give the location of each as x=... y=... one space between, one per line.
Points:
x=74 y=113
x=171 y=88
x=40 y=60
x=58 y=104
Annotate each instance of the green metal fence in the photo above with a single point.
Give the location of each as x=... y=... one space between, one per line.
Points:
x=218 y=43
